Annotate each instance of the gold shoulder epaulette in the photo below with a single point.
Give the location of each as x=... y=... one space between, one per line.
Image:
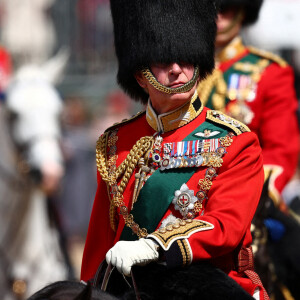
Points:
x=220 y=118
x=268 y=55
x=124 y=121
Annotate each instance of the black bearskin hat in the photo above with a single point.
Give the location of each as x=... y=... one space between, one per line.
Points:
x=251 y=8
x=162 y=31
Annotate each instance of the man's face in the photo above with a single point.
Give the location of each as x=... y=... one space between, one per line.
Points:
x=229 y=23
x=171 y=75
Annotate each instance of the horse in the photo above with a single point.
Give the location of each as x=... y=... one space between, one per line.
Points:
x=70 y=290
x=14 y=201
x=200 y=281
x=32 y=255
x=276 y=247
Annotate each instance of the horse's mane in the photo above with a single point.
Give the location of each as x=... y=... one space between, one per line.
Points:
x=70 y=290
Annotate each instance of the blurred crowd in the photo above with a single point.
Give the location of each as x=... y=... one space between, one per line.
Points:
x=49 y=128
x=58 y=94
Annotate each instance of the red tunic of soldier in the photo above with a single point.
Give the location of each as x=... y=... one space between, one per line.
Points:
x=229 y=207
x=257 y=88
x=179 y=183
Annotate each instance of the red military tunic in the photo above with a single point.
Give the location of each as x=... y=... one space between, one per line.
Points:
x=220 y=227
x=257 y=88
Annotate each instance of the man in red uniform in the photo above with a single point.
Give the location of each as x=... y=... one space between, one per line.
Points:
x=178 y=183
x=257 y=88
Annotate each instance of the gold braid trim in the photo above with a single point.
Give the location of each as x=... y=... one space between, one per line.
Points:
x=129 y=164
x=268 y=55
x=205 y=87
x=250 y=67
x=188 y=252
x=235 y=125
x=185 y=252
x=205 y=184
x=126 y=167
x=101 y=156
x=256 y=70
x=185 y=229
x=103 y=167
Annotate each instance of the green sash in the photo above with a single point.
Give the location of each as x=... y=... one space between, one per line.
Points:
x=155 y=198
x=158 y=192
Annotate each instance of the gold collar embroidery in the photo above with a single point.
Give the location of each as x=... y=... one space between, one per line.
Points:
x=176 y=118
x=234 y=48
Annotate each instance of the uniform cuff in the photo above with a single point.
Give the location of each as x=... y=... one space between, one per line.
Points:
x=179 y=254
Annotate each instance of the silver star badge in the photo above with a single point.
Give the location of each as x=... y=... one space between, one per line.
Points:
x=184 y=200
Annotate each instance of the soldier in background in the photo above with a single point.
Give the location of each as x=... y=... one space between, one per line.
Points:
x=257 y=88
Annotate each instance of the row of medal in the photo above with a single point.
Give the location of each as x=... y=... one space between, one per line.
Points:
x=186 y=154
x=241 y=87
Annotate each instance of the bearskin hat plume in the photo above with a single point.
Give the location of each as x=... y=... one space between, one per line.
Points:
x=251 y=8
x=162 y=31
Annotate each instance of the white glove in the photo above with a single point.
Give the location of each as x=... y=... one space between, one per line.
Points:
x=125 y=254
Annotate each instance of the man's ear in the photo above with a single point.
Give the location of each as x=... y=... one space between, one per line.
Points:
x=140 y=79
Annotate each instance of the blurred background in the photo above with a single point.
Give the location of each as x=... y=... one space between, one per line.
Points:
x=277 y=31
x=58 y=94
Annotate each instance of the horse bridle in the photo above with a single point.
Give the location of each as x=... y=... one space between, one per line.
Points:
x=109 y=269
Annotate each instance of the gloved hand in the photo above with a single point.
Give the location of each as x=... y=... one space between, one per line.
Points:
x=125 y=254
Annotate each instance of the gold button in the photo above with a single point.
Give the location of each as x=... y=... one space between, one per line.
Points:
x=176 y=225
x=182 y=223
x=169 y=227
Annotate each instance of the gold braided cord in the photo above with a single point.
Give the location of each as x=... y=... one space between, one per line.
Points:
x=141 y=147
x=129 y=164
x=101 y=156
x=127 y=167
x=205 y=183
x=162 y=88
x=268 y=55
x=205 y=87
